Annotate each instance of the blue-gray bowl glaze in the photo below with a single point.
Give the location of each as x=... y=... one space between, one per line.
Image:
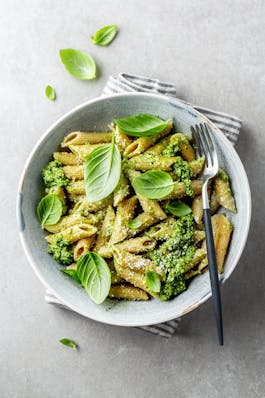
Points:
x=96 y=115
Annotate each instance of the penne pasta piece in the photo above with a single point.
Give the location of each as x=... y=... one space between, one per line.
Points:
x=145 y=221
x=149 y=161
x=162 y=230
x=82 y=151
x=197 y=209
x=199 y=255
x=143 y=143
x=125 y=212
x=83 y=246
x=214 y=204
x=121 y=139
x=67 y=159
x=84 y=207
x=185 y=148
x=80 y=138
x=74 y=172
x=73 y=234
x=158 y=148
x=127 y=292
x=197 y=166
x=199 y=236
x=69 y=221
x=59 y=191
x=137 y=245
x=223 y=191
x=121 y=191
x=76 y=188
x=106 y=230
x=191 y=273
x=222 y=238
x=179 y=190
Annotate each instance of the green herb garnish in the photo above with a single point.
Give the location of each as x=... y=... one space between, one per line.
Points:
x=69 y=343
x=178 y=208
x=102 y=171
x=141 y=125
x=105 y=36
x=153 y=184
x=95 y=276
x=78 y=63
x=50 y=93
x=134 y=224
x=49 y=210
x=152 y=281
x=72 y=273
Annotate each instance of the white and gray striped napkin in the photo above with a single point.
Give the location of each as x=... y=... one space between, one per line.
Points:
x=230 y=125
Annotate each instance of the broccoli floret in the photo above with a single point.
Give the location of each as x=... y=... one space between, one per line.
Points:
x=53 y=175
x=183 y=171
x=171 y=150
x=62 y=252
x=172 y=288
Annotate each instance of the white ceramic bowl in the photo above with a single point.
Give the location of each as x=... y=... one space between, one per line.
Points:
x=96 y=115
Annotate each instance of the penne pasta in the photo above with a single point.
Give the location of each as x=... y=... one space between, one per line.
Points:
x=223 y=191
x=137 y=245
x=106 y=230
x=149 y=161
x=73 y=234
x=74 y=172
x=121 y=191
x=69 y=221
x=67 y=159
x=125 y=212
x=82 y=151
x=197 y=209
x=80 y=138
x=128 y=292
x=83 y=246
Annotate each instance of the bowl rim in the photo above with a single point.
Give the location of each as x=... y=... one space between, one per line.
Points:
x=205 y=297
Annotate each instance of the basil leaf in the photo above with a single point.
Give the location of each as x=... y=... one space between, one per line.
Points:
x=72 y=273
x=50 y=93
x=141 y=125
x=134 y=224
x=152 y=281
x=153 y=184
x=94 y=275
x=49 y=210
x=178 y=208
x=105 y=36
x=78 y=63
x=102 y=171
x=69 y=343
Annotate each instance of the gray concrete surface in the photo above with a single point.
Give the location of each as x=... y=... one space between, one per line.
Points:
x=214 y=51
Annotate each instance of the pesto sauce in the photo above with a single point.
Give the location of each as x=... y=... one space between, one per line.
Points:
x=173 y=255
x=183 y=172
x=171 y=150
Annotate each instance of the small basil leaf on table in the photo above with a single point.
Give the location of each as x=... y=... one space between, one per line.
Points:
x=102 y=171
x=178 y=209
x=95 y=276
x=105 y=36
x=142 y=125
x=153 y=184
x=152 y=281
x=134 y=224
x=50 y=93
x=69 y=343
x=72 y=273
x=49 y=210
x=78 y=63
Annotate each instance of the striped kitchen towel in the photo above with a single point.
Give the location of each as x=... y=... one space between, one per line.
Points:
x=230 y=125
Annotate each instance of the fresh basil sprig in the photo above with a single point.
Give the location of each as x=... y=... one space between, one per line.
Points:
x=105 y=36
x=134 y=224
x=50 y=93
x=78 y=63
x=49 y=210
x=94 y=275
x=178 y=209
x=102 y=171
x=69 y=343
x=142 y=125
x=152 y=281
x=153 y=184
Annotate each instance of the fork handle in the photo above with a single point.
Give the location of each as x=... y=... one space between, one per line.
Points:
x=212 y=265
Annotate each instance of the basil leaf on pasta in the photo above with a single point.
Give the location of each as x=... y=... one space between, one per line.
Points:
x=178 y=209
x=152 y=281
x=94 y=275
x=72 y=273
x=153 y=184
x=78 y=63
x=102 y=171
x=141 y=125
x=49 y=210
x=105 y=36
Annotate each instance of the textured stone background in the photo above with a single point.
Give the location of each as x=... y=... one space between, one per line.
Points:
x=214 y=51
